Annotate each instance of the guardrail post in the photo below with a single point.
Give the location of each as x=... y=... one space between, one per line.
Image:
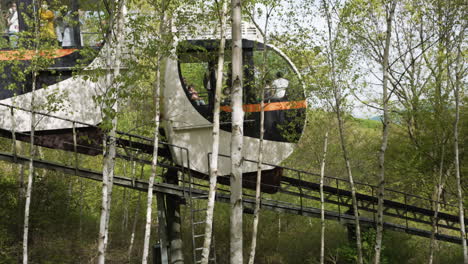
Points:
x=300 y=191
x=373 y=204
x=13 y=133
x=406 y=210
x=75 y=148
x=339 y=198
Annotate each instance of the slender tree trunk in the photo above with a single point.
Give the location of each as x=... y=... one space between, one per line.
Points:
x=385 y=132
x=124 y=202
x=260 y=145
x=154 y=163
x=338 y=101
x=215 y=148
x=32 y=149
x=135 y=215
x=236 y=137
x=461 y=208
x=157 y=89
x=32 y=153
x=438 y=193
x=80 y=225
x=108 y=174
x=113 y=61
x=322 y=201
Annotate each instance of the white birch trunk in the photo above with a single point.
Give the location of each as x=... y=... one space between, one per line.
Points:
x=32 y=153
x=236 y=137
x=124 y=202
x=113 y=61
x=154 y=162
x=215 y=148
x=135 y=216
x=338 y=101
x=322 y=201
x=438 y=193
x=385 y=132
x=457 y=87
x=32 y=149
x=258 y=185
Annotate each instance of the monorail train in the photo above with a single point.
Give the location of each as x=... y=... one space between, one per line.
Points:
x=188 y=118
x=188 y=95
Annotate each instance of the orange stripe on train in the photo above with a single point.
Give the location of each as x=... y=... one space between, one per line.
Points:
x=276 y=106
x=29 y=54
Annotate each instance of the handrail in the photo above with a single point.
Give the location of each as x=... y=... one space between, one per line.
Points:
x=345 y=180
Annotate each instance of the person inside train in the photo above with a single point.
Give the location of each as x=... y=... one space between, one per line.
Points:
x=193 y=95
x=268 y=90
x=209 y=81
x=279 y=86
x=47 y=22
x=68 y=31
x=59 y=26
x=13 y=24
x=226 y=96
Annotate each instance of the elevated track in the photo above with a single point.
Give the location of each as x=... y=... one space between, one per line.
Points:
x=297 y=192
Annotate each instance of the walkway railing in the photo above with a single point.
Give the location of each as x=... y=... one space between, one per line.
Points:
x=298 y=191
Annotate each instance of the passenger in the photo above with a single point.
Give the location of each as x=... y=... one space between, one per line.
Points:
x=209 y=81
x=279 y=86
x=194 y=95
x=13 y=25
x=59 y=27
x=68 y=32
x=268 y=90
x=226 y=96
x=81 y=19
x=47 y=22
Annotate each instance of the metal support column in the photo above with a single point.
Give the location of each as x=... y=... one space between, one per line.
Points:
x=162 y=226
x=176 y=255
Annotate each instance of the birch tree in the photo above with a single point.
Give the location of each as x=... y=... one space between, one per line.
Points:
x=424 y=45
x=322 y=201
x=389 y=13
x=215 y=148
x=236 y=136
x=113 y=61
x=263 y=71
x=32 y=148
x=38 y=44
x=457 y=83
x=135 y=214
x=154 y=161
x=337 y=94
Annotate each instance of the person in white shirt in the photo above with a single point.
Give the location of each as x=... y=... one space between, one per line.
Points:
x=279 y=86
x=68 y=31
x=13 y=24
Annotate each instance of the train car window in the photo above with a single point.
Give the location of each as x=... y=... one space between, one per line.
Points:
x=64 y=23
x=281 y=82
x=284 y=95
x=198 y=77
x=9 y=23
x=93 y=20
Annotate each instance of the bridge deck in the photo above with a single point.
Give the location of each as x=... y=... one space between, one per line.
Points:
x=182 y=192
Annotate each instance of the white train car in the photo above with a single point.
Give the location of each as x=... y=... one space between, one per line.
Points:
x=190 y=79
